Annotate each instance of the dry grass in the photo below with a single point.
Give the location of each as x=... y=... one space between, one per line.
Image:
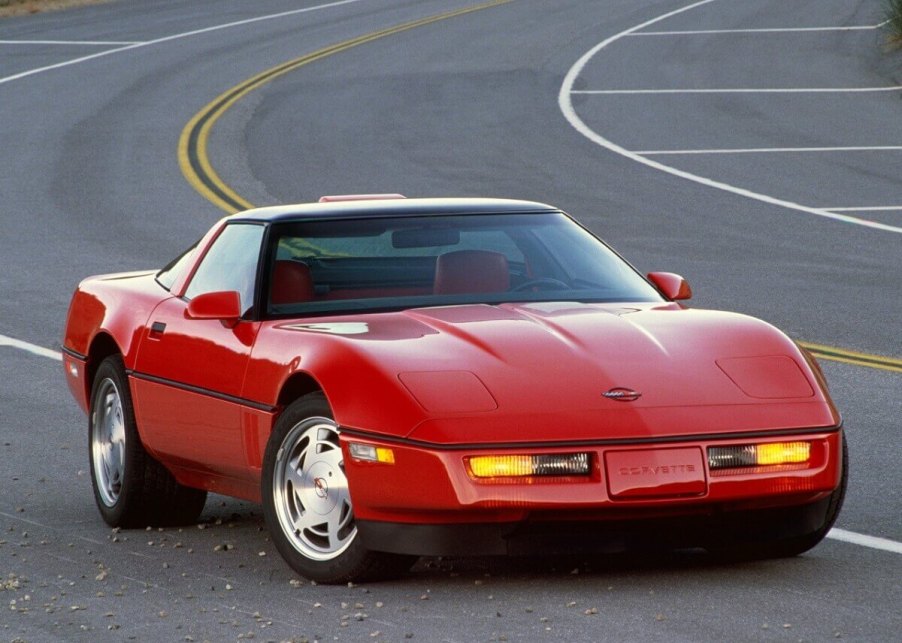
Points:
x=893 y=13
x=25 y=7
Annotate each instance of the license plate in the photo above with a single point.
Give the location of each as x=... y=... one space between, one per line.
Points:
x=655 y=473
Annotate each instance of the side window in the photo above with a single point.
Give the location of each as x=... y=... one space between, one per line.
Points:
x=230 y=264
x=174 y=269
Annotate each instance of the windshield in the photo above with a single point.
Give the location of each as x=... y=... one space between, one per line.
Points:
x=404 y=262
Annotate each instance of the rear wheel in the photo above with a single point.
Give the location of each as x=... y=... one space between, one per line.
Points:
x=131 y=489
x=307 y=504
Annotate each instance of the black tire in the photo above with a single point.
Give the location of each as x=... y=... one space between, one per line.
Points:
x=307 y=505
x=131 y=489
x=749 y=547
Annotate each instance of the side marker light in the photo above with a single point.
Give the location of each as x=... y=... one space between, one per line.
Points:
x=371 y=453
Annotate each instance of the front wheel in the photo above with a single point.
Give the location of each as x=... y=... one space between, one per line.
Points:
x=307 y=504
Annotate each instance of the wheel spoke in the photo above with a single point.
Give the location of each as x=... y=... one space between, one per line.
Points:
x=343 y=499
x=295 y=478
x=346 y=517
x=325 y=437
x=333 y=530
x=333 y=457
x=306 y=521
x=115 y=465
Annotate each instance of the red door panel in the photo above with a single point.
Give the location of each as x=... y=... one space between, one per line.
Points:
x=187 y=384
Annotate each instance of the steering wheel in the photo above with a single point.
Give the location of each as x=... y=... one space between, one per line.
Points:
x=542 y=283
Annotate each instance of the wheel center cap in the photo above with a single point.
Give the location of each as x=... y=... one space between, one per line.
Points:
x=317 y=496
x=321 y=487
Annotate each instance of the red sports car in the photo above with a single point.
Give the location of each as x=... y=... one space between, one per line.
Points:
x=399 y=377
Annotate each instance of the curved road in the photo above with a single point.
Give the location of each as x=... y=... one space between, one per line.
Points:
x=753 y=147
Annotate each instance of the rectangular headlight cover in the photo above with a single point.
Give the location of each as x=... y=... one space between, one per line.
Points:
x=524 y=465
x=758 y=455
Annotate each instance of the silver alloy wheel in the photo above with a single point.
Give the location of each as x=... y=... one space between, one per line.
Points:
x=310 y=490
x=108 y=442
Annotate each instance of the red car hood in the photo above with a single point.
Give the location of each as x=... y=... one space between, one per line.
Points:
x=567 y=371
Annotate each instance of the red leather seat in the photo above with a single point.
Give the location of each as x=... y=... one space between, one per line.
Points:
x=471 y=271
x=291 y=283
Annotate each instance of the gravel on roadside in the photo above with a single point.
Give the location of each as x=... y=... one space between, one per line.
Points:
x=25 y=7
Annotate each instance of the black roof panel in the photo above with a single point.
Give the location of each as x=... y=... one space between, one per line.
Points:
x=390 y=207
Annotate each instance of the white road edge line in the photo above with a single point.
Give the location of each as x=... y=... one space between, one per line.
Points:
x=565 y=104
x=157 y=41
x=775 y=150
x=91 y=43
x=743 y=90
x=702 y=32
x=884 y=544
x=863 y=540
x=34 y=349
x=878 y=208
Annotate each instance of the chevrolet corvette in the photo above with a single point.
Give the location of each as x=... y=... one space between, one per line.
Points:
x=393 y=378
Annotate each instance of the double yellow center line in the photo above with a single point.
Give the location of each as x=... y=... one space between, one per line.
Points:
x=192 y=148
x=851 y=357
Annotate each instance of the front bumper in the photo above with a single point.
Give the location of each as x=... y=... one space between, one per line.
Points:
x=542 y=535
x=427 y=503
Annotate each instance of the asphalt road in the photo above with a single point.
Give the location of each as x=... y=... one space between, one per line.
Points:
x=687 y=135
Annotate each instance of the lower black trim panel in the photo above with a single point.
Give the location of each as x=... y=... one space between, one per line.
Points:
x=560 y=538
x=72 y=353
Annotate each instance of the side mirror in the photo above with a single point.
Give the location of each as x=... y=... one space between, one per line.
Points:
x=224 y=306
x=671 y=286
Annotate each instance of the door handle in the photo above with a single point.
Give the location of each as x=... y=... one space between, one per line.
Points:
x=157 y=329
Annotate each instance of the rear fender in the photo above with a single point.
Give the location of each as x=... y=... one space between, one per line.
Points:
x=107 y=315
